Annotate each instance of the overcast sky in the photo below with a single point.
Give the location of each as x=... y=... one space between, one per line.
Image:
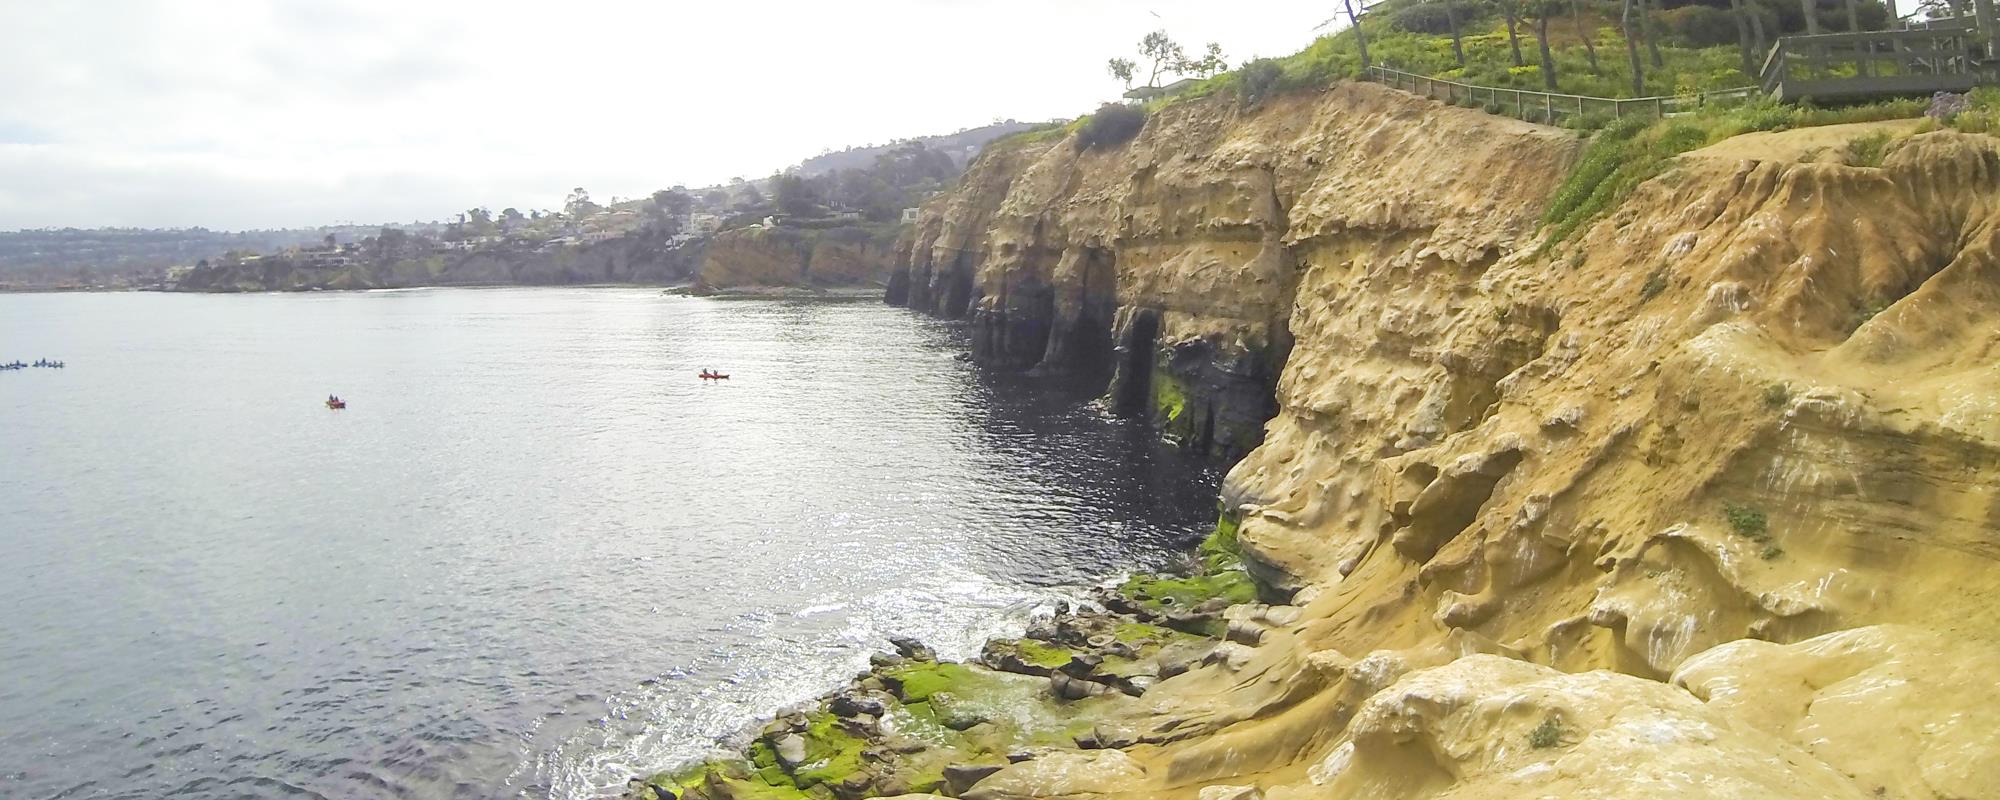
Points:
x=246 y=113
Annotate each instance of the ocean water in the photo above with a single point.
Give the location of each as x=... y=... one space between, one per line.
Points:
x=535 y=555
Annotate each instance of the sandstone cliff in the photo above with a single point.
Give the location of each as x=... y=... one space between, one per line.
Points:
x=1701 y=504
x=795 y=257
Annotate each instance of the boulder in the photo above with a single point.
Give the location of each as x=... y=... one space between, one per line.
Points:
x=961 y=777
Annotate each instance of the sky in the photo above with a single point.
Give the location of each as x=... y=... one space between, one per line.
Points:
x=236 y=114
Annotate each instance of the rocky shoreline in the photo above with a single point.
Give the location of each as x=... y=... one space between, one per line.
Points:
x=1063 y=697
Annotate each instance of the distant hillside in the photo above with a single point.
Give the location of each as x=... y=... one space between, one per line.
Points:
x=63 y=251
x=961 y=146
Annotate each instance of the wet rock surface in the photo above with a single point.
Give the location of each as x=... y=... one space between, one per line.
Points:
x=915 y=724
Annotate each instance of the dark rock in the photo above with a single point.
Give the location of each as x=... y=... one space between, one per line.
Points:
x=1068 y=687
x=1083 y=665
x=961 y=777
x=1019 y=756
x=854 y=705
x=882 y=660
x=912 y=649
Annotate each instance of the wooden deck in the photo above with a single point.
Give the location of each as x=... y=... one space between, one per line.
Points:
x=1842 y=67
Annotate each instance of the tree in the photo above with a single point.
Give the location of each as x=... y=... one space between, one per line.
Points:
x=669 y=207
x=1361 y=39
x=672 y=203
x=1588 y=36
x=715 y=197
x=1543 y=10
x=1632 y=48
x=1165 y=55
x=1743 y=37
x=578 y=204
x=1211 y=62
x=795 y=195
x=1121 y=68
x=1652 y=8
x=511 y=218
x=1511 y=10
x=1457 y=39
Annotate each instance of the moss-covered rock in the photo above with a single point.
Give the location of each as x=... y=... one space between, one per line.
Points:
x=1162 y=593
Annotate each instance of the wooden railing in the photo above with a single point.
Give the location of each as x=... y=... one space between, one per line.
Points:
x=1842 y=66
x=1550 y=107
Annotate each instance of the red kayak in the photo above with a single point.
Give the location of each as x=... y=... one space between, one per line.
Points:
x=714 y=376
x=336 y=404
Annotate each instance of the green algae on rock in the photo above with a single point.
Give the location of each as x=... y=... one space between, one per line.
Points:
x=913 y=723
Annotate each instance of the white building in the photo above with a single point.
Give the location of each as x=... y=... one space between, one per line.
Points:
x=702 y=222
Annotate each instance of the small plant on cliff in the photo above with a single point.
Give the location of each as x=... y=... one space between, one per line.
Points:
x=1654 y=285
x=1777 y=395
x=1748 y=523
x=1112 y=125
x=1863 y=315
x=1867 y=151
x=1546 y=735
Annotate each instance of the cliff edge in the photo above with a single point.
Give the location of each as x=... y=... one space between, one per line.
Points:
x=1699 y=503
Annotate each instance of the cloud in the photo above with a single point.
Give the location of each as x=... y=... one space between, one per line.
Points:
x=235 y=113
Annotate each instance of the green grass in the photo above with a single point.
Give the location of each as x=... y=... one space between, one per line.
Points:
x=1631 y=151
x=1169 y=400
x=1220 y=550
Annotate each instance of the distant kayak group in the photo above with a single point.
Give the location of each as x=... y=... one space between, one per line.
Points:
x=40 y=362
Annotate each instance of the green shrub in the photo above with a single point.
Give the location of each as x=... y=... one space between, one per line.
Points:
x=1114 y=124
x=1426 y=18
x=1654 y=285
x=1546 y=735
x=1748 y=523
x=1698 y=26
x=1867 y=151
x=1777 y=395
x=1259 y=80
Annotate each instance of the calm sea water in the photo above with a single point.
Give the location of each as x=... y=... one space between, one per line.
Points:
x=534 y=557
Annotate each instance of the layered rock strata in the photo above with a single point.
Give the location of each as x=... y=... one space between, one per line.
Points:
x=1171 y=266
x=1698 y=504
x=795 y=258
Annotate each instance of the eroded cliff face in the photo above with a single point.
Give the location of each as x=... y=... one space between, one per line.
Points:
x=1171 y=264
x=789 y=257
x=1700 y=504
